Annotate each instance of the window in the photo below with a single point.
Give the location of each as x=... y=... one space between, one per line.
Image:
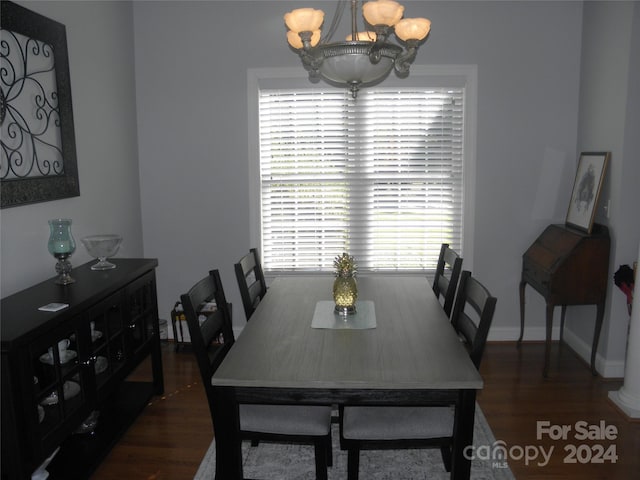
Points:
x=381 y=177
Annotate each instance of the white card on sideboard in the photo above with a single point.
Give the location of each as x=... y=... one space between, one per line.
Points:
x=53 y=307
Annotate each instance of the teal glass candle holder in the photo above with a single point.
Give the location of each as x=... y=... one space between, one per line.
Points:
x=61 y=245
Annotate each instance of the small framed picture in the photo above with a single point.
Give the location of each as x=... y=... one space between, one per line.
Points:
x=586 y=189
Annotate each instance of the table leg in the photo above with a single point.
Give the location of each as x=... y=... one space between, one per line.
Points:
x=463 y=435
x=547 y=343
x=522 y=285
x=226 y=423
x=596 y=337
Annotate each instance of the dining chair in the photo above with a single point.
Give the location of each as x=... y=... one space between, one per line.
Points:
x=251 y=281
x=398 y=427
x=447 y=274
x=209 y=321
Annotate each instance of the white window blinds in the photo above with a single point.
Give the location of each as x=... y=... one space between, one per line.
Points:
x=379 y=177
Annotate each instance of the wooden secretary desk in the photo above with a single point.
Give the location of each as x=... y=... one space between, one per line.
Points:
x=567 y=267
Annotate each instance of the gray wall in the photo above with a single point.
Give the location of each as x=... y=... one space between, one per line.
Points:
x=191 y=63
x=609 y=120
x=99 y=38
x=190 y=195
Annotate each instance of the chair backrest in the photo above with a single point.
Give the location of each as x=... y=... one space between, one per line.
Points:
x=445 y=281
x=210 y=327
x=472 y=294
x=251 y=281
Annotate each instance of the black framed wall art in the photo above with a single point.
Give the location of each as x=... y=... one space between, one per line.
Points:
x=586 y=190
x=38 y=150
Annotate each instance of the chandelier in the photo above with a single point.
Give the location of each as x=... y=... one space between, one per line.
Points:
x=365 y=57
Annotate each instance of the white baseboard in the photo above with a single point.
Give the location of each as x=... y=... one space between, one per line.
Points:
x=511 y=334
x=606 y=368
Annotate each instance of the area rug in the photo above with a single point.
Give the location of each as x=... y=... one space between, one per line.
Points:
x=270 y=461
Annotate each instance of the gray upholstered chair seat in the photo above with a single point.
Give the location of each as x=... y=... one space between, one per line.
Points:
x=397 y=423
x=285 y=419
x=416 y=427
x=279 y=423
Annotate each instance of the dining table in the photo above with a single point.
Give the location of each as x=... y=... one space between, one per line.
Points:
x=399 y=348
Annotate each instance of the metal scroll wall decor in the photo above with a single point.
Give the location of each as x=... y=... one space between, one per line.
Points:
x=38 y=157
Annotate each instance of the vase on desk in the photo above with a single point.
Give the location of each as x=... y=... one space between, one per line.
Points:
x=345 y=288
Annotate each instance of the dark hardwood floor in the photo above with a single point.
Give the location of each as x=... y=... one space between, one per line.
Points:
x=173 y=433
x=516 y=397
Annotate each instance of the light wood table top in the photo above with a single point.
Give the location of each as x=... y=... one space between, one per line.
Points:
x=412 y=347
x=412 y=357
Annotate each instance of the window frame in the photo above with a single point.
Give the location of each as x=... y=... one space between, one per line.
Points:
x=432 y=75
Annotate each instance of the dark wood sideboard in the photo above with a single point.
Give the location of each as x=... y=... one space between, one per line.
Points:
x=567 y=267
x=112 y=326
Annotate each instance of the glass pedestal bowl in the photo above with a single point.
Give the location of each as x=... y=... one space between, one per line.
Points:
x=102 y=247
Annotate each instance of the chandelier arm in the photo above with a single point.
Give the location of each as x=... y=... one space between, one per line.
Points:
x=382 y=33
x=403 y=62
x=375 y=54
x=308 y=55
x=310 y=61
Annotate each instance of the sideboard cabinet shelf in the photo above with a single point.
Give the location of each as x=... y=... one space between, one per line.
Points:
x=109 y=328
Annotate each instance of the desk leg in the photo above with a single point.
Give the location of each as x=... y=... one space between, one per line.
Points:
x=522 y=285
x=175 y=334
x=596 y=337
x=547 y=343
x=463 y=435
x=226 y=423
x=181 y=335
x=562 y=315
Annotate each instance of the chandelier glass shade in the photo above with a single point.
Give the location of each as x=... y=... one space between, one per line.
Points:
x=366 y=60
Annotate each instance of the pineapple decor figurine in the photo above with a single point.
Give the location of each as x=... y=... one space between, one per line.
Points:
x=345 y=289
